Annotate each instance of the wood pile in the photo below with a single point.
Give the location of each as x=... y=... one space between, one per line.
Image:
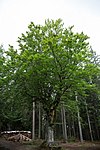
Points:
x=7 y=134
x=19 y=138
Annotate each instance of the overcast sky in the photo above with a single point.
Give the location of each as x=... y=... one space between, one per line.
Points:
x=15 y=16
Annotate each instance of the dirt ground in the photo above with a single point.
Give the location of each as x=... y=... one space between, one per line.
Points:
x=82 y=146
x=9 y=145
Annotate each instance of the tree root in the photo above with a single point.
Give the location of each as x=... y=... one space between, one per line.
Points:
x=50 y=146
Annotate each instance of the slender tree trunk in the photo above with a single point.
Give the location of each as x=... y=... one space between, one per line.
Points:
x=73 y=126
x=39 y=133
x=9 y=127
x=90 y=130
x=33 y=126
x=80 y=128
x=64 y=123
x=79 y=122
x=96 y=129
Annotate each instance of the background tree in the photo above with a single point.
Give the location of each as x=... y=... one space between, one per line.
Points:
x=2 y=72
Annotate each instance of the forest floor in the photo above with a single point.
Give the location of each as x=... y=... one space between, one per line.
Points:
x=9 y=145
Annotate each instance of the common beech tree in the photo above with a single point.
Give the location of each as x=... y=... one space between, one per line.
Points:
x=50 y=62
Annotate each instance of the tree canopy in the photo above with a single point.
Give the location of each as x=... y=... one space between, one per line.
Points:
x=51 y=61
x=49 y=66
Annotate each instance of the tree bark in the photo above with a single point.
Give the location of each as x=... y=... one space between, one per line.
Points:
x=64 y=123
x=39 y=133
x=50 y=138
x=79 y=122
x=73 y=126
x=80 y=128
x=33 y=125
x=90 y=130
x=50 y=126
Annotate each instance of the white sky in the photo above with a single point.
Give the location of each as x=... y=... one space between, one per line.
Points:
x=15 y=16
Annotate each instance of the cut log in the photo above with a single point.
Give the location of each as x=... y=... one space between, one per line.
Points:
x=19 y=138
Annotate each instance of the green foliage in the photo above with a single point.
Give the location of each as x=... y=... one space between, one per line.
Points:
x=52 y=62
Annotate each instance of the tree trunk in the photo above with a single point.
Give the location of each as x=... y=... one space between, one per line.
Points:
x=50 y=136
x=79 y=122
x=39 y=133
x=33 y=126
x=73 y=126
x=96 y=128
x=50 y=126
x=80 y=128
x=90 y=130
x=64 y=122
